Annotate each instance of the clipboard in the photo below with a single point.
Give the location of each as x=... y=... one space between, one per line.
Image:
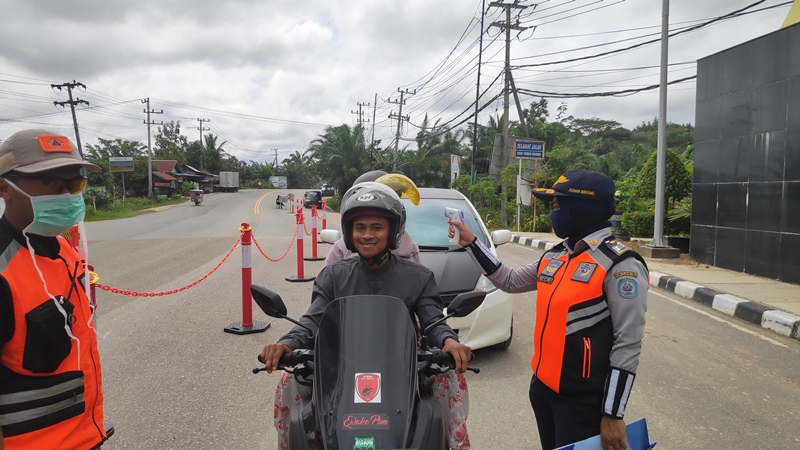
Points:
x=635 y=436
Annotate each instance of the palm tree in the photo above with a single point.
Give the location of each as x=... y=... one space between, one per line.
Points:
x=212 y=154
x=297 y=170
x=341 y=155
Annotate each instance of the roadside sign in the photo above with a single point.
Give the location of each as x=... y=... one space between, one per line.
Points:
x=120 y=163
x=528 y=149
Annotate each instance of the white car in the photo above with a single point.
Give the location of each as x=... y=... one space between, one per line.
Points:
x=492 y=324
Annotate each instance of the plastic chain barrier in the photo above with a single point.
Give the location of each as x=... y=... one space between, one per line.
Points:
x=114 y=290
x=284 y=253
x=308 y=233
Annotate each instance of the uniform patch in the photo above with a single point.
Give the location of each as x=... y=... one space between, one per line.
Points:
x=593 y=242
x=627 y=288
x=584 y=272
x=552 y=267
x=617 y=247
x=626 y=274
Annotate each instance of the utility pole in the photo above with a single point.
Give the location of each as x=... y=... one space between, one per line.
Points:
x=504 y=156
x=374 y=110
x=70 y=86
x=477 y=98
x=202 y=149
x=661 y=152
x=400 y=118
x=275 y=152
x=360 y=113
x=149 y=150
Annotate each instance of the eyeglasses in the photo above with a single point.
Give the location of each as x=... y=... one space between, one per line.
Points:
x=73 y=185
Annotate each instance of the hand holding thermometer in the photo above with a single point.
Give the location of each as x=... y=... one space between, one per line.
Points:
x=455 y=215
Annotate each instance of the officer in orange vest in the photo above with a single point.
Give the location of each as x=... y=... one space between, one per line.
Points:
x=51 y=393
x=590 y=307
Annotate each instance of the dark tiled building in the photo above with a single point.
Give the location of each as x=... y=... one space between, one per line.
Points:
x=746 y=186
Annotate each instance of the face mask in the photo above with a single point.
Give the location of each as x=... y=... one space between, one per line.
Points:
x=53 y=214
x=563 y=227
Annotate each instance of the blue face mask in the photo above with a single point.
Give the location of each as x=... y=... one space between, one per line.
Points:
x=53 y=214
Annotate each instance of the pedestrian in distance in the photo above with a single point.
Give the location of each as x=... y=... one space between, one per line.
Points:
x=373 y=222
x=51 y=394
x=590 y=313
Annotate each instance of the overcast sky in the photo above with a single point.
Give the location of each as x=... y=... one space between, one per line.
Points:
x=272 y=74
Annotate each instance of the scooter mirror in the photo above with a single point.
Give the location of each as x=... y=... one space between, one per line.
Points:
x=269 y=302
x=329 y=236
x=465 y=303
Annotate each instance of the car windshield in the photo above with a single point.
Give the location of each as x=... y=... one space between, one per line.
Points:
x=427 y=224
x=313 y=195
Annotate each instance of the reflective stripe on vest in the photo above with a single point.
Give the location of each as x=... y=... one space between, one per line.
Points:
x=40 y=406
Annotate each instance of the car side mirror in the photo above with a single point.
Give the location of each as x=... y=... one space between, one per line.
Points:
x=329 y=236
x=500 y=237
x=269 y=302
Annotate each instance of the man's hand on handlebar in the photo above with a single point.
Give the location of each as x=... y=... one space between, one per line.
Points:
x=272 y=354
x=462 y=354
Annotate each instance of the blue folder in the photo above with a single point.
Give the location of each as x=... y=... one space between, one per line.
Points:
x=636 y=438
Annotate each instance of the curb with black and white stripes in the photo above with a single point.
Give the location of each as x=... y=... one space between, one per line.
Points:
x=776 y=320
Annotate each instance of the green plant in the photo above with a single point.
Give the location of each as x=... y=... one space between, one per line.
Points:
x=638 y=223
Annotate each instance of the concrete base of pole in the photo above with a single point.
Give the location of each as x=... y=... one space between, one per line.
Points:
x=237 y=328
x=295 y=279
x=659 y=252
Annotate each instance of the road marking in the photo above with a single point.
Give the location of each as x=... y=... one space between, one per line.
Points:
x=718 y=319
x=257 y=206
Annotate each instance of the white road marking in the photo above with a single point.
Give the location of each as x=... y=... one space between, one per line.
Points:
x=727 y=322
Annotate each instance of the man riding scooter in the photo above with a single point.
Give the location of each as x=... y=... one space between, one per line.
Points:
x=373 y=222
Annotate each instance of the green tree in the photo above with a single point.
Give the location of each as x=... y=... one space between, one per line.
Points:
x=297 y=168
x=105 y=148
x=170 y=144
x=340 y=155
x=677 y=181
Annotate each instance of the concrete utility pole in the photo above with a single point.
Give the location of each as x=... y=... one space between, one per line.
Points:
x=504 y=155
x=360 y=113
x=149 y=150
x=70 y=86
x=275 y=153
x=202 y=148
x=400 y=118
x=661 y=151
x=477 y=98
x=374 y=111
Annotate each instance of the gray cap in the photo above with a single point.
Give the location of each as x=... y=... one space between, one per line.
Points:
x=32 y=151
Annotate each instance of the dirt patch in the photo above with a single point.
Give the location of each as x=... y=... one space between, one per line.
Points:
x=683 y=259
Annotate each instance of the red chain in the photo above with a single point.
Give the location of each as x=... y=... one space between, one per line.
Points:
x=284 y=253
x=114 y=290
x=308 y=233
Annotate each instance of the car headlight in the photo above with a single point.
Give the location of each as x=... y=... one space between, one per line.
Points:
x=485 y=285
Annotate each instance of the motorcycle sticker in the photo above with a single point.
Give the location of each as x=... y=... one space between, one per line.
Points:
x=362 y=421
x=368 y=388
x=364 y=443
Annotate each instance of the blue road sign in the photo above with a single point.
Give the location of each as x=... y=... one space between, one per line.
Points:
x=528 y=149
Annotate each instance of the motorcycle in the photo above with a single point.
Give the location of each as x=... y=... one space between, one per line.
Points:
x=371 y=380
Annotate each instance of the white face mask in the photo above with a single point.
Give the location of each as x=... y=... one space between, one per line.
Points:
x=53 y=214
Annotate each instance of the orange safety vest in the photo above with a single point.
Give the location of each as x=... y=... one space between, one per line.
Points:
x=51 y=395
x=573 y=334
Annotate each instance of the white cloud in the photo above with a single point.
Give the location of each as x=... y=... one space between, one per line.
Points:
x=272 y=74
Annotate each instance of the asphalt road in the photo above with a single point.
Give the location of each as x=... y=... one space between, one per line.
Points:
x=173 y=379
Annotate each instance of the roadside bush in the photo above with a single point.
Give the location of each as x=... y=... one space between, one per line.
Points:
x=97 y=198
x=638 y=223
x=333 y=203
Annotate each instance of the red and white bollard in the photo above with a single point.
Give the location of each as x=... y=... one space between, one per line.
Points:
x=247 y=325
x=324 y=216
x=300 y=231
x=314 y=256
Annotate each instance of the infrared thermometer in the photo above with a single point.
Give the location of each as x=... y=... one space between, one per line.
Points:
x=455 y=215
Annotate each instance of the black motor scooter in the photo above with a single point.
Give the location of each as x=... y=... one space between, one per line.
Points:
x=371 y=382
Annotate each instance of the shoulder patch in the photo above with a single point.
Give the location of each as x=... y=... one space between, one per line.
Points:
x=627 y=288
x=617 y=247
x=626 y=274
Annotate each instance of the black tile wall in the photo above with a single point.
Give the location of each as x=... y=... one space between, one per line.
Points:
x=746 y=179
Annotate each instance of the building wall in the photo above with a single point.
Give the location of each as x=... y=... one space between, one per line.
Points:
x=746 y=184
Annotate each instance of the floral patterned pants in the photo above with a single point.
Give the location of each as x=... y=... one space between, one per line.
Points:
x=450 y=389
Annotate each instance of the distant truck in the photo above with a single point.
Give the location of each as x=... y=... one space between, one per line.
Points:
x=229 y=181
